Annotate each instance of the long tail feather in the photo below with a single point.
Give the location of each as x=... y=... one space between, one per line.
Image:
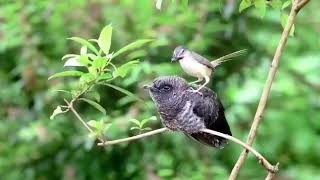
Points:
x=228 y=57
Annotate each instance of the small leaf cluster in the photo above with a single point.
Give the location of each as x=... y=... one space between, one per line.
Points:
x=100 y=128
x=140 y=125
x=94 y=66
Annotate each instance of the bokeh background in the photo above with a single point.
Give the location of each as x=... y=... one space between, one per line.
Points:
x=33 y=39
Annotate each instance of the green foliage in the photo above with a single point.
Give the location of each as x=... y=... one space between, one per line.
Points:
x=104 y=40
x=100 y=128
x=140 y=125
x=95 y=105
x=33 y=39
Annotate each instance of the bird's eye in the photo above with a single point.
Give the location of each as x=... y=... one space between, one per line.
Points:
x=166 y=88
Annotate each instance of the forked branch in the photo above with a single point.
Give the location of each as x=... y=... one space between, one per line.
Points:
x=296 y=6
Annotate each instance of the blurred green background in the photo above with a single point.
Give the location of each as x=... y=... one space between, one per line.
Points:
x=33 y=39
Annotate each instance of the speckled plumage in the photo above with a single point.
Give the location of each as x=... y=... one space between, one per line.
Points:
x=182 y=109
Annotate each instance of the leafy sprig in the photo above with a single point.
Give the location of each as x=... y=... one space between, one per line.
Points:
x=95 y=58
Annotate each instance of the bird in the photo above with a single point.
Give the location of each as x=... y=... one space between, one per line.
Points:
x=183 y=110
x=198 y=66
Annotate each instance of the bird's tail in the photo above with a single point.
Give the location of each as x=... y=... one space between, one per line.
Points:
x=228 y=57
x=220 y=125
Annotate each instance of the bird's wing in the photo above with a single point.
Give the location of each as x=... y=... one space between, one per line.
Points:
x=207 y=107
x=201 y=59
x=211 y=110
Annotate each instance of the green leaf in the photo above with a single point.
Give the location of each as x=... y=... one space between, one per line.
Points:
x=284 y=18
x=93 y=94
x=85 y=43
x=83 y=50
x=104 y=76
x=147 y=129
x=73 y=62
x=87 y=78
x=93 y=123
x=131 y=46
x=286 y=4
x=83 y=59
x=99 y=63
x=153 y=118
x=292 y=30
x=276 y=4
x=124 y=91
x=133 y=128
x=123 y=69
x=144 y=121
x=66 y=73
x=92 y=56
x=261 y=6
x=135 y=122
x=57 y=111
x=64 y=91
x=104 y=40
x=67 y=56
x=244 y=5
x=100 y=126
x=92 y=70
x=94 y=104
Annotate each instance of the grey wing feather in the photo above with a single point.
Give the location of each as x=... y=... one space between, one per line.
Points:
x=212 y=111
x=202 y=60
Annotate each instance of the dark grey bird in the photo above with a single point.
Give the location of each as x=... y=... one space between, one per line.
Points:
x=183 y=110
x=198 y=66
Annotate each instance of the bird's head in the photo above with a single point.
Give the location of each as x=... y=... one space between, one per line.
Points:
x=166 y=90
x=178 y=53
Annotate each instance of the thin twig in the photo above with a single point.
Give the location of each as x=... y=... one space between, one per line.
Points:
x=260 y=158
x=150 y=133
x=70 y=106
x=271 y=174
x=300 y=5
x=266 y=90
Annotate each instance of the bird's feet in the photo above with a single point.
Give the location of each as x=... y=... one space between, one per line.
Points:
x=195 y=91
x=195 y=82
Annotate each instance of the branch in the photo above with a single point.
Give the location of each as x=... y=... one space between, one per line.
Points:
x=271 y=174
x=300 y=4
x=260 y=158
x=297 y=5
x=70 y=106
x=150 y=133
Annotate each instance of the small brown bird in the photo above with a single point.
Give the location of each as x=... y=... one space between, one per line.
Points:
x=197 y=66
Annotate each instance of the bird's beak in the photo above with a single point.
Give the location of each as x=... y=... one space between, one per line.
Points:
x=146 y=87
x=173 y=59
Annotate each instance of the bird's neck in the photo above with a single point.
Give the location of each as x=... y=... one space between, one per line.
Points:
x=172 y=107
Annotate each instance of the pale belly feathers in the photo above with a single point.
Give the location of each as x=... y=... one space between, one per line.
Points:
x=193 y=68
